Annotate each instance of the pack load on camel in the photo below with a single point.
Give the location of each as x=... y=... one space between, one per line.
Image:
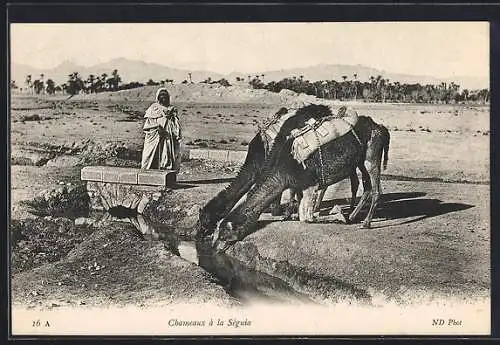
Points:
x=314 y=134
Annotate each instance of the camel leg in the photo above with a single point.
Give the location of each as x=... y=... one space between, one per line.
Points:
x=367 y=188
x=375 y=182
x=307 y=204
x=354 y=189
x=291 y=206
x=275 y=206
x=296 y=198
x=318 y=199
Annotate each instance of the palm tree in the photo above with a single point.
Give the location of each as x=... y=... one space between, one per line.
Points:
x=355 y=75
x=104 y=78
x=75 y=84
x=42 y=82
x=116 y=79
x=38 y=86
x=91 y=80
x=189 y=76
x=29 y=84
x=51 y=89
x=344 y=87
x=384 y=88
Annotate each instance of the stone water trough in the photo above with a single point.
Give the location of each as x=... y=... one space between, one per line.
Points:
x=109 y=187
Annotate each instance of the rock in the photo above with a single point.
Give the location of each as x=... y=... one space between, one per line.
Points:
x=64 y=161
x=143 y=203
x=81 y=221
x=127 y=202
x=61 y=190
x=193 y=210
x=156 y=196
x=135 y=202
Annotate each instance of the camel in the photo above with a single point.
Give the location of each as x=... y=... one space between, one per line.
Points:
x=377 y=146
x=258 y=150
x=339 y=157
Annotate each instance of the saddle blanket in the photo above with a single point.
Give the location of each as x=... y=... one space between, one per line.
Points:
x=309 y=138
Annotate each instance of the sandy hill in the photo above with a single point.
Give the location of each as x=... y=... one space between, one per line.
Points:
x=208 y=93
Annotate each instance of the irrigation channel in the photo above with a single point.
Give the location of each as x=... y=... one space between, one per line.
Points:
x=239 y=281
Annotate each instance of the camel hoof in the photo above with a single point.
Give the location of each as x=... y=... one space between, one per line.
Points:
x=339 y=218
x=366 y=225
x=294 y=217
x=276 y=211
x=335 y=210
x=287 y=215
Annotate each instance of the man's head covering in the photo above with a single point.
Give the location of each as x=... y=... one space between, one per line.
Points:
x=160 y=90
x=157 y=110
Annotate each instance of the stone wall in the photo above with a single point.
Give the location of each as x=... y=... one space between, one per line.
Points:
x=111 y=187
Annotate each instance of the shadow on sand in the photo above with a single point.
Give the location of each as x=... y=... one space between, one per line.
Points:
x=207 y=181
x=393 y=206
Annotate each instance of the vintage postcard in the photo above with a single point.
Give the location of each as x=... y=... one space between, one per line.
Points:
x=326 y=178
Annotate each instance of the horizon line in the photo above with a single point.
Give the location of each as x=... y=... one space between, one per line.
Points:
x=69 y=60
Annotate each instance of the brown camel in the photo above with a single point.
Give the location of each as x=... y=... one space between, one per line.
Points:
x=333 y=162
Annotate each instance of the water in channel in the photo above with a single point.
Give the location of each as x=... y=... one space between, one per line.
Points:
x=241 y=282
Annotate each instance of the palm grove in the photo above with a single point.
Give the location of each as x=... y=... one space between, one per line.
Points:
x=376 y=89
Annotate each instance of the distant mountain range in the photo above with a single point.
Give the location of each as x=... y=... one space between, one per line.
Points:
x=135 y=70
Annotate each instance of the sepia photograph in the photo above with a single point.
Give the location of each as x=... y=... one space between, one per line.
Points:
x=244 y=179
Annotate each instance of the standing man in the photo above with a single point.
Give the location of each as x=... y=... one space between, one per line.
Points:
x=162 y=144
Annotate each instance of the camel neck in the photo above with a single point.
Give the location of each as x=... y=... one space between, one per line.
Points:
x=258 y=199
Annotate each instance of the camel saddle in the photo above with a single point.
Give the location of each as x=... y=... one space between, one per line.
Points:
x=314 y=134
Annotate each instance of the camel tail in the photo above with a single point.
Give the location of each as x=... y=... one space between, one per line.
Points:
x=387 y=139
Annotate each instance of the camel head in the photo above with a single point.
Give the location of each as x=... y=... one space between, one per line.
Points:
x=206 y=223
x=281 y=112
x=224 y=235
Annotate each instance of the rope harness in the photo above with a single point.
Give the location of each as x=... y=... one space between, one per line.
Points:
x=353 y=131
x=320 y=159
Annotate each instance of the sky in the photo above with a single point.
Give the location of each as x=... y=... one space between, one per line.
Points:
x=443 y=49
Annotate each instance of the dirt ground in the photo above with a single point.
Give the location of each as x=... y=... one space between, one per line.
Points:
x=430 y=235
